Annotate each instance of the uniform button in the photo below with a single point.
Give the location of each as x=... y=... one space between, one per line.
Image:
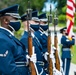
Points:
x=10 y=35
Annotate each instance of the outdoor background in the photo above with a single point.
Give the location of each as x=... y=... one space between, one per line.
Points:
x=43 y=6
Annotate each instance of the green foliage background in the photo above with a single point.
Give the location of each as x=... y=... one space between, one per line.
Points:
x=35 y=4
x=38 y=4
x=74 y=54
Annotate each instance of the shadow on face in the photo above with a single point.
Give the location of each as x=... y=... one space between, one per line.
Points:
x=33 y=22
x=43 y=22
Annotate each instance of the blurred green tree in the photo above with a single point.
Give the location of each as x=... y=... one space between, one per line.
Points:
x=59 y=5
x=35 y=4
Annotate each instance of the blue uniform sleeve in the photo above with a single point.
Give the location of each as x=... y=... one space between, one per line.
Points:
x=24 y=41
x=43 y=40
x=66 y=41
x=7 y=63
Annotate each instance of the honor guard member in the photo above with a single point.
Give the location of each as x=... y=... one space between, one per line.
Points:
x=34 y=21
x=36 y=27
x=42 y=36
x=12 y=56
x=36 y=43
x=66 y=50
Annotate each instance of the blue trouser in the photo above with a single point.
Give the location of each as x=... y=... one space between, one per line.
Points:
x=66 y=65
x=40 y=69
x=0 y=73
x=22 y=71
x=46 y=67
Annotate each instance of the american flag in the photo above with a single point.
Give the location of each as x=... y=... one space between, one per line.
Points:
x=70 y=16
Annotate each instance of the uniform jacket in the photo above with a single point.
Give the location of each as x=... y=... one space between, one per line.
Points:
x=42 y=37
x=43 y=40
x=66 y=43
x=11 y=51
x=35 y=43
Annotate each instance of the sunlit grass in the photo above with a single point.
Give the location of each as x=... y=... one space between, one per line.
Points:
x=74 y=54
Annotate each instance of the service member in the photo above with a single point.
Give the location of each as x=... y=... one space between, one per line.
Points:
x=12 y=55
x=36 y=43
x=66 y=50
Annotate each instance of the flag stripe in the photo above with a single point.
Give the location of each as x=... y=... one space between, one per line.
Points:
x=70 y=12
x=70 y=15
x=70 y=3
x=70 y=7
x=69 y=27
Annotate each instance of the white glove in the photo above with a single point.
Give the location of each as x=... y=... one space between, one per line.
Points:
x=56 y=72
x=28 y=57
x=33 y=58
x=52 y=56
x=73 y=35
x=54 y=48
x=61 y=69
x=45 y=55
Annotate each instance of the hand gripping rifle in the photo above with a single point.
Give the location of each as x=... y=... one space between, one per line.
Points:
x=30 y=51
x=50 y=67
x=57 y=64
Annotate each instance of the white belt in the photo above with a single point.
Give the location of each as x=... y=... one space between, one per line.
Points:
x=66 y=49
x=21 y=64
x=40 y=63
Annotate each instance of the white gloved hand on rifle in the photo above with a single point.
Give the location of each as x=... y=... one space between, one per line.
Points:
x=51 y=56
x=54 y=48
x=33 y=56
x=46 y=55
x=61 y=69
x=56 y=72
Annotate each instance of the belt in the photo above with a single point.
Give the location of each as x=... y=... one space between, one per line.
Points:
x=21 y=64
x=40 y=63
x=66 y=49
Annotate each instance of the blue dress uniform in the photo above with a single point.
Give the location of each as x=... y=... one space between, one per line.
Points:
x=66 y=52
x=42 y=37
x=38 y=49
x=12 y=56
x=43 y=40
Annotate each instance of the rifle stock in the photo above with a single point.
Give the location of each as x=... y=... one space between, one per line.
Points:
x=50 y=67
x=30 y=46
x=57 y=64
x=31 y=64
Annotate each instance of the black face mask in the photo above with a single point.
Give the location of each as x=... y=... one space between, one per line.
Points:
x=15 y=25
x=35 y=27
x=44 y=27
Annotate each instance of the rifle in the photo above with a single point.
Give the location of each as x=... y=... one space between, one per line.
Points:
x=57 y=64
x=30 y=51
x=50 y=67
